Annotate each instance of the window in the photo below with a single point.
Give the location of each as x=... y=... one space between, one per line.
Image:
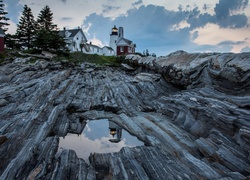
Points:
x=129 y=49
x=121 y=49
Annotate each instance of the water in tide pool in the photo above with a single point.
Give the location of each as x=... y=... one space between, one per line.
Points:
x=96 y=137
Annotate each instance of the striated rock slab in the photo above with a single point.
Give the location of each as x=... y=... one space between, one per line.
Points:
x=148 y=163
x=192 y=111
x=226 y=72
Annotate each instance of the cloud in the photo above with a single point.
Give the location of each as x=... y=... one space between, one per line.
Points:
x=67 y=18
x=64 y=1
x=107 y=9
x=12 y=27
x=212 y=48
x=100 y=145
x=231 y=43
x=226 y=13
x=137 y=3
x=96 y=41
x=224 y=8
x=205 y=7
x=221 y=37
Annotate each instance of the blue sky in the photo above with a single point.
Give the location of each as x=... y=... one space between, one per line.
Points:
x=161 y=26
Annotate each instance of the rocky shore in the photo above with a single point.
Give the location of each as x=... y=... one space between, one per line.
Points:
x=192 y=111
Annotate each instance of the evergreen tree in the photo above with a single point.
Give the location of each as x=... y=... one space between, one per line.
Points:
x=11 y=41
x=45 y=18
x=3 y=18
x=47 y=38
x=26 y=28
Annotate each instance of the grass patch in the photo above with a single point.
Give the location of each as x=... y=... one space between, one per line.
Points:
x=79 y=57
x=76 y=57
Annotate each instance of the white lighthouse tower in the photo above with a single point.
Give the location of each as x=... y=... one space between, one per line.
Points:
x=113 y=38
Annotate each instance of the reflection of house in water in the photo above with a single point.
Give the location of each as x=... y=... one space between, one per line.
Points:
x=77 y=126
x=115 y=131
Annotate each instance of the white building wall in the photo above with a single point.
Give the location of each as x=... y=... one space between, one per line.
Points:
x=77 y=40
x=113 y=41
x=107 y=52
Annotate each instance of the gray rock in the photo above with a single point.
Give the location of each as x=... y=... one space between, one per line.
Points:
x=2 y=139
x=22 y=60
x=191 y=111
x=3 y=102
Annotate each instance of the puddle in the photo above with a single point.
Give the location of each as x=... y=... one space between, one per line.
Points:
x=96 y=137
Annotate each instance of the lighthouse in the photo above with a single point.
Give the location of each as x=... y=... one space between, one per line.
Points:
x=113 y=38
x=119 y=44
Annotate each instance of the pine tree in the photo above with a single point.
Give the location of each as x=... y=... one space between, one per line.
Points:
x=47 y=38
x=26 y=28
x=45 y=18
x=3 y=18
x=11 y=41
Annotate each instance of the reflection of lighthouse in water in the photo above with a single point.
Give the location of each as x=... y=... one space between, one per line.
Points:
x=115 y=131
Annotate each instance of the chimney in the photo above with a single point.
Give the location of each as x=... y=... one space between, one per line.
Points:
x=120 y=32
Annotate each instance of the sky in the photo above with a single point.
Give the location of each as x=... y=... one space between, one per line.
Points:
x=161 y=26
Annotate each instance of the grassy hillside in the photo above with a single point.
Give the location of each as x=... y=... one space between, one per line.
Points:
x=91 y=58
x=76 y=57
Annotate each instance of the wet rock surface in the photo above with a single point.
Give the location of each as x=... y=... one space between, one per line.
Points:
x=192 y=111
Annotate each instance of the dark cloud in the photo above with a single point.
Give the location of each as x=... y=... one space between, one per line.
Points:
x=245 y=49
x=67 y=18
x=107 y=9
x=196 y=19
x=137 y=3
x=212 y=48
x=205 y=7
x=195 y=35
x=180 y=7
x=96 y=22
x=64 y=1
x=224 y=9
x=231 y=43
x=247 y=38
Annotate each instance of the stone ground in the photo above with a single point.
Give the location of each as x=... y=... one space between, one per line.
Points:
x=193 y=116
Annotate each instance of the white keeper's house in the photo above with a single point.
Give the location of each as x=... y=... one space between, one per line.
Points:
x=76 y=41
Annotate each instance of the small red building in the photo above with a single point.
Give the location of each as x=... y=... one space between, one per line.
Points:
x=125 y=46
x=2 y=34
